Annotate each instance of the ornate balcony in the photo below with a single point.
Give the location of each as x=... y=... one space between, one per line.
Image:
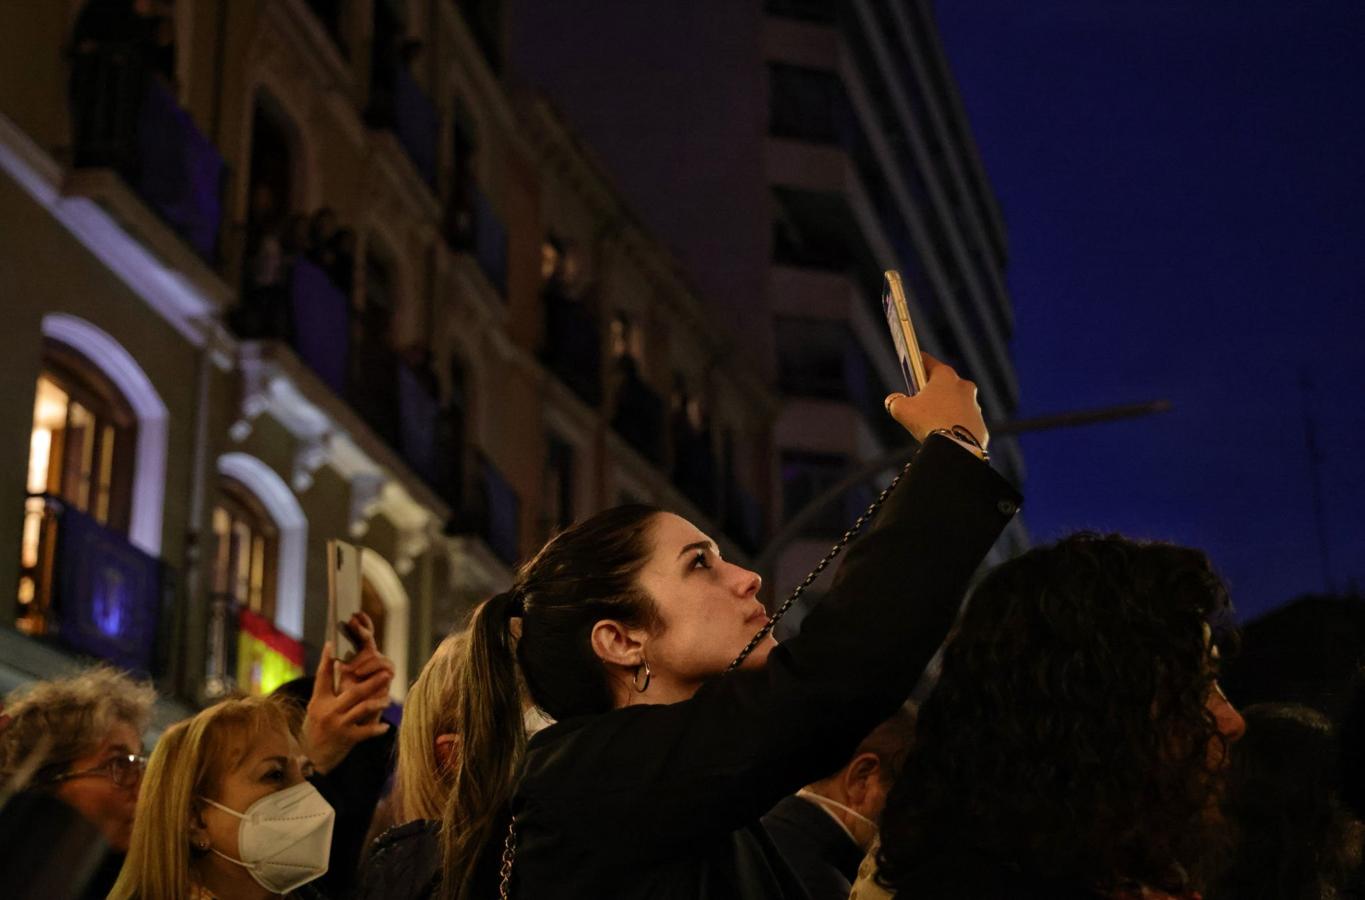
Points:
x=126 y=119
x=87 y=588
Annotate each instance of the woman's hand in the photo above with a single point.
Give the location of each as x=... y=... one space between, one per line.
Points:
x=944 y=401
x=336 y=722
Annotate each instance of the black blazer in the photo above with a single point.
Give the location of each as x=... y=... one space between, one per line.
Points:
x=664 y=801
x=819 y=850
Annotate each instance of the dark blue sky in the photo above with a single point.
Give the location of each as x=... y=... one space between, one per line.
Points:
x=1184 y=187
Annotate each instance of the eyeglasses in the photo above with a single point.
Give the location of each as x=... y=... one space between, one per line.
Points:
x=124 y=770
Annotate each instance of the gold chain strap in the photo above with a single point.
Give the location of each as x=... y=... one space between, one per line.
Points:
x=815 y=573
x=509 y=856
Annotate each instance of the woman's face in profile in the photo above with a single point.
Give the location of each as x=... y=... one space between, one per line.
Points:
x=708 y=607
x=1226 y=718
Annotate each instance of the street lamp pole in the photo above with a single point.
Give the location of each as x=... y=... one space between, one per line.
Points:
x=794 y=526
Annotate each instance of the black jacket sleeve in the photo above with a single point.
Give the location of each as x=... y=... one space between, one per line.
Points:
x=645 y=780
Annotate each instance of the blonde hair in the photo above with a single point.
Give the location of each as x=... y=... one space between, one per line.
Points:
x=189 y=761
x=423 y=783
x=75 y=714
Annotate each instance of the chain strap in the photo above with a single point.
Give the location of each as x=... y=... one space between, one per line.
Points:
x=509 y=856
x=815 y=573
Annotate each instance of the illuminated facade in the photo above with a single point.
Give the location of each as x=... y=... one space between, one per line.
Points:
x=790 y=151
x=279 y=272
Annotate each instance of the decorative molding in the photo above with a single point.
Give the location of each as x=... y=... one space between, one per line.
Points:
x=185 y=304
x=375 y=569
x=330 y=434
x=149 y=472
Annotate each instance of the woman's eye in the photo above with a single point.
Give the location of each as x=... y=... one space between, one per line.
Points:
x=274 y=775
x=699 y=561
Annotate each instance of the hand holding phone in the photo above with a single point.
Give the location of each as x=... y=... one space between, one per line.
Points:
x=897 y=312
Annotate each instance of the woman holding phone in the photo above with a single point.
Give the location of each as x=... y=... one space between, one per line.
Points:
x=652 y=781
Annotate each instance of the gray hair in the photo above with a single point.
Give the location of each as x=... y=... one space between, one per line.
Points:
x=74 y=715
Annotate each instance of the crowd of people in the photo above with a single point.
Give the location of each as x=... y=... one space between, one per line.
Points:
x=620 y=723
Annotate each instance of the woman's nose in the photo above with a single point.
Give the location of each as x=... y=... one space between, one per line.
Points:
x=749 y=582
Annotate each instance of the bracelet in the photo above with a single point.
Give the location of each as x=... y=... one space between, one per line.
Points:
x=963 y=434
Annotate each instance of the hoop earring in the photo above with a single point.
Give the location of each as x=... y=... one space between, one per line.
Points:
x=635 y=679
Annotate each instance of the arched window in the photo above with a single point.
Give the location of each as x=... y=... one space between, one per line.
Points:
x=256 y=579
x=82 y=450
x=248 y=549
x=383 y=597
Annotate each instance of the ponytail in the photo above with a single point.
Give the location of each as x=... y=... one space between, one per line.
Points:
x=493 y=741
x=584 y=575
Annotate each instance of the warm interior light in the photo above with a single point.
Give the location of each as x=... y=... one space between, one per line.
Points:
x=49 y=416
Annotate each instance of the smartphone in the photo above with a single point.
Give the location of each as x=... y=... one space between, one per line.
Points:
x=343 y=600
x=902 y=332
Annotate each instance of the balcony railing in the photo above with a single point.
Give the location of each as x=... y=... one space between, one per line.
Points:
x=492 y=511
x=474 y=226
x=417 y=123
x=320 y=319
x=420 y=424
x=95 y=593
x=639 y=413
x=127 y=119
x=573 y=344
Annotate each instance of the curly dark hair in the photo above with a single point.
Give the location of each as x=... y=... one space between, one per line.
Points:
x=1296 y=840
x=1067 y=739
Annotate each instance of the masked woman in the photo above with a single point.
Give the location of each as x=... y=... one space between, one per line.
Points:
x=660 y=764
x=225 y=812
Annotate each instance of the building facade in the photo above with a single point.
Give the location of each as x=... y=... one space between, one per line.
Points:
x=283 y=271
x=844 y=116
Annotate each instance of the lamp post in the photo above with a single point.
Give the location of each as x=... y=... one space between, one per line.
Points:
x=794 y=526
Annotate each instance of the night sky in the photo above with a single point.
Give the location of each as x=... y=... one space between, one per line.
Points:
x=1182 y=183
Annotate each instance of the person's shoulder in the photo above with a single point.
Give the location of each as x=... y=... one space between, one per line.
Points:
x=404 y=861
x=416 y=833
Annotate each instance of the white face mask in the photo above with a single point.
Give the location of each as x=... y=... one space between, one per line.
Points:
x=864 y=836
x=285 y=838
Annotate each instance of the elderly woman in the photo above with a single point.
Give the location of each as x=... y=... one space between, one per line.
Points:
x=92 y=725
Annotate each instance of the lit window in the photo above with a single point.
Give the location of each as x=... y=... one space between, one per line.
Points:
x=245 y=563
x=247 y=550
x=81 y=457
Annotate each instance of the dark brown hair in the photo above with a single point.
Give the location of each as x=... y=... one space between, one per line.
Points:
x=1067 y=738
x=584 y=575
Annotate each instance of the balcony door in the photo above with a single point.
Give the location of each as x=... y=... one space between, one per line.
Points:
x=247 y=651
x=81 y=452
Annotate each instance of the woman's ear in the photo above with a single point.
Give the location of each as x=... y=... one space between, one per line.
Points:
x=199 y=829
x=447 y=750
x=617 y=645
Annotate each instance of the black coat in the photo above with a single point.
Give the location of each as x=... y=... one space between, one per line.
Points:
x=404 y=861
x=821 y=853
x=664 y=801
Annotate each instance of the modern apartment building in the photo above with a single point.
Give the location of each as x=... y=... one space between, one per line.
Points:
x=789 y=151
x=279 y=271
